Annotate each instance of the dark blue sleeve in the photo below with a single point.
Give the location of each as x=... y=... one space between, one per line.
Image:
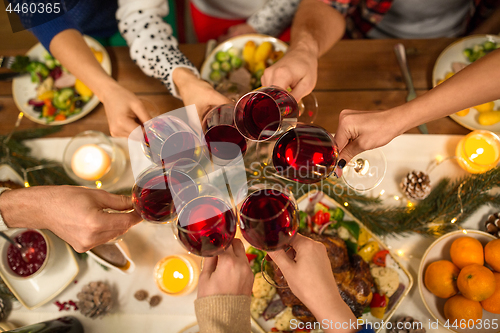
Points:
x=365 y=329
x=45 y=26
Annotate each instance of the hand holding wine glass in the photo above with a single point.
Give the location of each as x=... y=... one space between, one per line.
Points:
x=227 y=274
x=310 y=278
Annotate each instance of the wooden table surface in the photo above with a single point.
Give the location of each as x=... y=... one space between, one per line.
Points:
x=355 y=74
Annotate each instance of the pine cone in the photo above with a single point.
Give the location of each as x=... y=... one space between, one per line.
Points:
x=416 y=185
x=95 y=299
x=492 y=224
x=407 y=322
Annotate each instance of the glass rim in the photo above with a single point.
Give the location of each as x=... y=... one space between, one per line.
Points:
x=291 y=201
x=485 y=133
x=256 y=92
x=219 y=221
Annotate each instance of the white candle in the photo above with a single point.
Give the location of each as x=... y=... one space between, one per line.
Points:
x=90 y=162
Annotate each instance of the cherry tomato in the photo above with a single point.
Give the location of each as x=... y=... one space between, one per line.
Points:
x=379 y=258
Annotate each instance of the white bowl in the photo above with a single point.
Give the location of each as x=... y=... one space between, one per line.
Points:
x=440 y=250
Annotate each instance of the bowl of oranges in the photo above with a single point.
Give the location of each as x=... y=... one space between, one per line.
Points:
x=459 y=281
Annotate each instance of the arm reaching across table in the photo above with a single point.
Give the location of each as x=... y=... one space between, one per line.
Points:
x=316 y=27
x=76 y=214
x=363 y=130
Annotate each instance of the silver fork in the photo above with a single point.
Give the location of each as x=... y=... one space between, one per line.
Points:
x=6 y=62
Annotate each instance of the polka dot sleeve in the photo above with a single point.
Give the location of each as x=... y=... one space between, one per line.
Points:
x=274 y=17
x=152 y=46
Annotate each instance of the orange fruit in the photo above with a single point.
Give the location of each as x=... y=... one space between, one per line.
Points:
x=492 y=254
x=459 y=308
x=441 y=278
x=466 y=251
x=492 y=304
x=476 y=282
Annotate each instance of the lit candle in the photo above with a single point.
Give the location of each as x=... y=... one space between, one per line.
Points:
x=478 y=152
x=176 y=275
x=90 y=162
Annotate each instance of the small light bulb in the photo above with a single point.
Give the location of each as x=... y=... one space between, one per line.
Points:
x=26 y=184
x=98 y=184
x=400 y=252
x=464 y=231
x=453 y=220
x=346 y=204
x=382 y=192
x=396 y=197
x=409 y=204
x=439 y=158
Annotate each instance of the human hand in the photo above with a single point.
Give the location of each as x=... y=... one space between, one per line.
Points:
x=226 y=274
x=310 y=277
x=124 y=111
x=236 y=30
x=298 y=69
x=363 y=130
x=197 y=91
x=75 y=214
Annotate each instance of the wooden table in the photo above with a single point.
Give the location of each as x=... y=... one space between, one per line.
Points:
x=355 y=74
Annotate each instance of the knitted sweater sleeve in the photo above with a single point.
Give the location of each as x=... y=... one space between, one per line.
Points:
x=152 y=46
x=223 y=314
x=274 y=17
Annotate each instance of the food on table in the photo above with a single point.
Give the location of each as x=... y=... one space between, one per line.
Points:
x=460 y=310
x=463 y=113
x=465 y=251
x=37 y=254
x=155 y=301
x=480 y=50
x=476 y=282
x=176 y=275
x=262 y=289
x=485 y=107
x=95 y=299
x=492 y=254
x=112 y=254
x=282 y=322
x=488 y=118
x=380 y=257
x=386 y=279
x=59 y=94
x=492 y=304
x=253 y=60
x=378 y=305
x=416 y=185
x=141 y=295
x=368 y=251
x=479 y=151
x=492 y=226
x=441 y=278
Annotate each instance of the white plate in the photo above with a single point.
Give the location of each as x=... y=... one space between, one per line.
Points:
x=454 y=53
x=194 y=328
x=405 y=277
x=23 y=89
x=239 y=42
x=59 y=272
x=440 y=250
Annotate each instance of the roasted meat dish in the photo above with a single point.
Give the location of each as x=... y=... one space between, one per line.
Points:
x=352 y=275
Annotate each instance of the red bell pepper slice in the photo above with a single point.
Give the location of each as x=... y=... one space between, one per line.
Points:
x=379 y=258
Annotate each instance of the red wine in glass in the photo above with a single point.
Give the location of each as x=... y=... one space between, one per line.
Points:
x=206 y=226
x=152 y=195
x=306 y=154
x=269 y=219
x=260 y=113
x=225 y=142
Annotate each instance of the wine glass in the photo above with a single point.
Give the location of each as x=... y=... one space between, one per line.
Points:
x=157 y=187
x=167 y=138
x=224 y=141
x=206 y=224
x=366 y=170
x=259 y=114
x=308 y=109
x=268 y=214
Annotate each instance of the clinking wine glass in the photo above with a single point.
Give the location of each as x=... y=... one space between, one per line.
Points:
x=224 y=141
x=308 y=154
x=268 y=218
x=259 y=114
x=206 y=224
x=157 y=187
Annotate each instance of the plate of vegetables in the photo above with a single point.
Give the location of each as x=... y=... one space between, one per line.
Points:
x=48 y=94
x=380 y=281
x=456 y=57
x=238 y=64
